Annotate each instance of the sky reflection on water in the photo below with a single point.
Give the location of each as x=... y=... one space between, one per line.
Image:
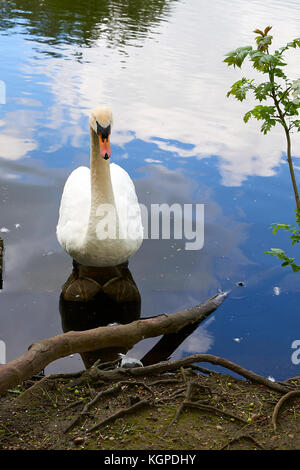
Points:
x=178 y=136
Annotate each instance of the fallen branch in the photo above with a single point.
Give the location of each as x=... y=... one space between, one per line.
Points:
x=44 y=352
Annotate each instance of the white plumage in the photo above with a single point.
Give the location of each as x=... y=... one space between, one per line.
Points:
x=99 y=218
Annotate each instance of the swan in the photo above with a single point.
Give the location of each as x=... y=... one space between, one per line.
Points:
x=99 y=217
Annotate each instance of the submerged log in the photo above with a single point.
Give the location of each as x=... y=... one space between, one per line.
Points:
x=44 y=352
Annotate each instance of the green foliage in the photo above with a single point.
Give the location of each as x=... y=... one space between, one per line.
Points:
x=263 y=91
x=281 y=97
x=236 y=57
x=282 y=93
x=239 y=89
x=264 y=113
x=295 y=238
x=280 y=254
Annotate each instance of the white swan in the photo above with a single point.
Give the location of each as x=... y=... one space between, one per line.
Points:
x=99 y=217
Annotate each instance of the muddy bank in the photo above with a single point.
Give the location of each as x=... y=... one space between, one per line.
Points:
x=186 y=410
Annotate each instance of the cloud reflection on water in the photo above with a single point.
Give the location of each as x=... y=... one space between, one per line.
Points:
x=183 y=94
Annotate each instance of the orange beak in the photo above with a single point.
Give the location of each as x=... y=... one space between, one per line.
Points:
x=105 y=151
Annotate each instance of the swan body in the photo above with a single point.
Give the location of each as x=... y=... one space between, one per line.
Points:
x=99 y=217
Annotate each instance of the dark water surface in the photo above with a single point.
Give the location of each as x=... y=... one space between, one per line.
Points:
x=158 y=64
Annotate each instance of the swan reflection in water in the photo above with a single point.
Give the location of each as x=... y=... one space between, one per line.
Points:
x=98 y=296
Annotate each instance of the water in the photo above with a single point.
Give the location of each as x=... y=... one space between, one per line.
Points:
x=158 y=64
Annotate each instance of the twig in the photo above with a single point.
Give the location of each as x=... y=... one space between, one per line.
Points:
x=106 y=365
x=180 y=408
x=132 y=409
x=287 y=396
x=183 y=374
x=203 y=369
x=75 y=403
x=165 y=381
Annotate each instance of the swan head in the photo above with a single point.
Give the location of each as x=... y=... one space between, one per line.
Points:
x=101 y=123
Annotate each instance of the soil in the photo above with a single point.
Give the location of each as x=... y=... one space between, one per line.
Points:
x=238 y=415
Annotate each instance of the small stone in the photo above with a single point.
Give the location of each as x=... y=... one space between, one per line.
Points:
x=255 y=416
x=78 y=440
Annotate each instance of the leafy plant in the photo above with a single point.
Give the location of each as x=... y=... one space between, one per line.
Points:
x=280 y=95
x=294 y=236
x=280 y=102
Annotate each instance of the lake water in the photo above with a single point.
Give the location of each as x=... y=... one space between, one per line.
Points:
x=158 y=64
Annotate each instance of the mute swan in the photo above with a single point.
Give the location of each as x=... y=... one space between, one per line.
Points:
x=99 y=217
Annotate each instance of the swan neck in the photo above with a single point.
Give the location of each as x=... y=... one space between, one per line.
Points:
x=101 y=185
x=102 y=200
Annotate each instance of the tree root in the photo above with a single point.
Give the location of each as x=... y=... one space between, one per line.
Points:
x=187 y=403
x=109 y=391
x=201 y=406
x=180 y=408
x=87 y=406
x=278 y=406
x=242 y=436
x=220 y=361
x=119 y=414
x=95 y=375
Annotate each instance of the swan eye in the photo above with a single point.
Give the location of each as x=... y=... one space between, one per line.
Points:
x=103 y=131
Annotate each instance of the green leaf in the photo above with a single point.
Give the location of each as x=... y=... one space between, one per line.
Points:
x=279 y=73
x=262 y=91
x=239 y=89
x=281 y=226
x=263 y=42
x=296 y=124
x=267 y=125
x=247 y=116
x=260 y=112
x=263 y=112
x=237 y=57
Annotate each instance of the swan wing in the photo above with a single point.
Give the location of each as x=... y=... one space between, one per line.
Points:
x=74 y=209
